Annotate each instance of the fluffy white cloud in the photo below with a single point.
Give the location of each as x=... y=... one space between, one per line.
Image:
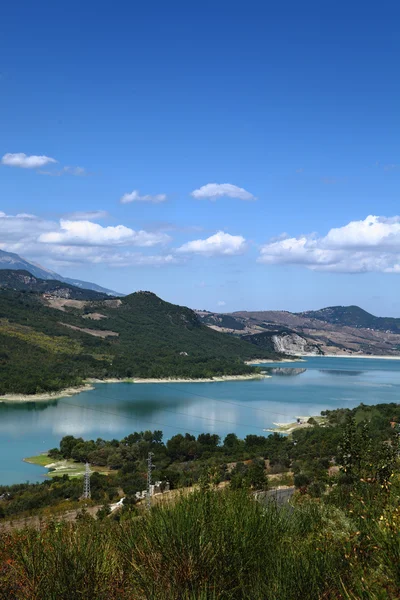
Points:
x=212 y=191
x=69 y=242
x=221 y=303
x=20 y=159
x=136 y=197
x=219 y=244
x=360 y=246
x=86 y=233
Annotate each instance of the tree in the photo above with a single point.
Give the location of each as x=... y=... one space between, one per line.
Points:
x=231 y=443
x=103 y=512
x=256 y=476
x=67 y=444
x=302 y=481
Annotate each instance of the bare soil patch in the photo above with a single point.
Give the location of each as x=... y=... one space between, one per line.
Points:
x=61 y=303
x=95 y=332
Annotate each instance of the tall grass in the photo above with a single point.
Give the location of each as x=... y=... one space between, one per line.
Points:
x=206 y=546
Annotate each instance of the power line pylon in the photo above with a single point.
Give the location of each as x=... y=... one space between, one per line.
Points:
x=86 y=482
x=150 y=467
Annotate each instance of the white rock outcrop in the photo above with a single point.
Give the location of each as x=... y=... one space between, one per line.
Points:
x=294 y=344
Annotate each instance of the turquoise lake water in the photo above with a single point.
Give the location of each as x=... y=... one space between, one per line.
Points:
x=115 y=410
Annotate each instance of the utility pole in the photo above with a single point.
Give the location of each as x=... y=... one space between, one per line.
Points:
x=150 y=466
x=86 y=482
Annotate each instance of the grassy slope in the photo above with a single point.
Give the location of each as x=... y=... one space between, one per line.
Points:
x=63 y=467
x=156 y=339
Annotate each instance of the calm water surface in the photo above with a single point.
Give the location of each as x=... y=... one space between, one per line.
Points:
x=115 y=410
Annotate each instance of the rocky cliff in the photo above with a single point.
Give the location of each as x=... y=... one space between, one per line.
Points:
x=294 y=344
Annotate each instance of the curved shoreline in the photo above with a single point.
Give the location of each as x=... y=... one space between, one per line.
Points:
x=71 y=391
x=262 y=361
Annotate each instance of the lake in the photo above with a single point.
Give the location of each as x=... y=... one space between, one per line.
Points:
x=115 y=410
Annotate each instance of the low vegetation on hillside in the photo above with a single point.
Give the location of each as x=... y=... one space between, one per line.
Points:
x=353 y=316
x=146 y=337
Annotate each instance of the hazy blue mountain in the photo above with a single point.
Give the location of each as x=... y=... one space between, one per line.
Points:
x=9 y=260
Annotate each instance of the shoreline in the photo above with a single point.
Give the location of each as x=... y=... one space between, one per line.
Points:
x=216 y=379
x=374 y=356
x=61 y=466
x=89 y=383
x=262 y=361
x=88 y=386
x=305 y=356
x=46 y=396
x=293 y=426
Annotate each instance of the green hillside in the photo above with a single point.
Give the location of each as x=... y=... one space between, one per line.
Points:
x=353 y=316
x=45 y=349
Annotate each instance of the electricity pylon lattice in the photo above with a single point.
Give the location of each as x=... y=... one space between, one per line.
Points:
x=150 y=466
x=86 y=482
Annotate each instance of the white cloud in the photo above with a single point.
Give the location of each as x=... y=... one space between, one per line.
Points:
x=89 y=215
x=76 y=255
x=212 y=191
x=75 y=243
x=219 y=244
x=360 y=246
x=221 y=303
x=22 y=228
x=136 y=197
x=86 y=233
x=20 y=159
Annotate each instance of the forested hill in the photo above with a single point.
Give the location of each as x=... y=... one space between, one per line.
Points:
x=48 y=343
x=21 y=280
x=353 y=316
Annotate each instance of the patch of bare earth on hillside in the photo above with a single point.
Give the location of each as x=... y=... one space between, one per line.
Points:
x=113 y=303
x=94 y=332
x=61 y=303
x=95 y=316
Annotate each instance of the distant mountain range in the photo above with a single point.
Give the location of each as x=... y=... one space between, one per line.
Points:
x=333 y=330
x=353 y=316
x=9 y=260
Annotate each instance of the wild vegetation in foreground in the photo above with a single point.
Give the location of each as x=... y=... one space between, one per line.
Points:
x=215 y=545
x=338 y=539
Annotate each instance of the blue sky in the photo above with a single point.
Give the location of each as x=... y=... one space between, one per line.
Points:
x=225 y=155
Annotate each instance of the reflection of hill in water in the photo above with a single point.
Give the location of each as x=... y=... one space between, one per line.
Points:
x=7 y=407
x=340 y=372
x=286 y=371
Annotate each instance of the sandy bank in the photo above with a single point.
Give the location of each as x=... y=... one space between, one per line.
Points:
x=290 y=427
x=204 y=380
x=46 y=397
x=261 y=361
